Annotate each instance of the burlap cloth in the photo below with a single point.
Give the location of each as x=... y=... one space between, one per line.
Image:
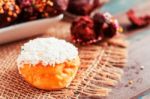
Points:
x=100 y=70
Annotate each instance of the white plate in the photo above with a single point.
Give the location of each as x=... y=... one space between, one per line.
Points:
x=27 y=29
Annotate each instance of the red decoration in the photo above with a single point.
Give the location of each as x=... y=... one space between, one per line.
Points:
x=141 y=21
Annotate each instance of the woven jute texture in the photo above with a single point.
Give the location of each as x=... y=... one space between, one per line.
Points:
x=101 y=69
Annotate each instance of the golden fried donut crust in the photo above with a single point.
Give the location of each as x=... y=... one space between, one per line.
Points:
x=50 y=77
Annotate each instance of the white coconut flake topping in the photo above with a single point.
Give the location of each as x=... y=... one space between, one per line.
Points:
x=48 y=51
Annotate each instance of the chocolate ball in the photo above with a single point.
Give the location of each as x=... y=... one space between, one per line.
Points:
x=83 y=7
x=82 y=30
x=33 y=9
x=29 y=12
x=61 y=5
x=98 y=3
x=99 y=20
x=109 y=31
x=8 y=12
x=105 y=25
x=50 y=8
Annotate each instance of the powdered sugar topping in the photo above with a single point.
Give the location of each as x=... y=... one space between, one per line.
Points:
x=47 y=51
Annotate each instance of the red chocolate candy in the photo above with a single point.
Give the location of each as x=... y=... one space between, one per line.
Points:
x=99 y=20
x=105 y=25
x=98 y=3
x=82 y=29
x=109 y=31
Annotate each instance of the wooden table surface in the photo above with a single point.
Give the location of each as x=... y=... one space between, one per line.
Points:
x=139 y=51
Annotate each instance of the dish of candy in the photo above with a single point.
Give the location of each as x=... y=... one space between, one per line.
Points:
x=16 y=11
x=22 y=16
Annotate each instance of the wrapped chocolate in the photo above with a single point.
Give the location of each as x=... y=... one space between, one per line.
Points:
x=8 y=12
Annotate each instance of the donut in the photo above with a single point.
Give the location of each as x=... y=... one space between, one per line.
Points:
x=8 y=12
x=48 y=63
